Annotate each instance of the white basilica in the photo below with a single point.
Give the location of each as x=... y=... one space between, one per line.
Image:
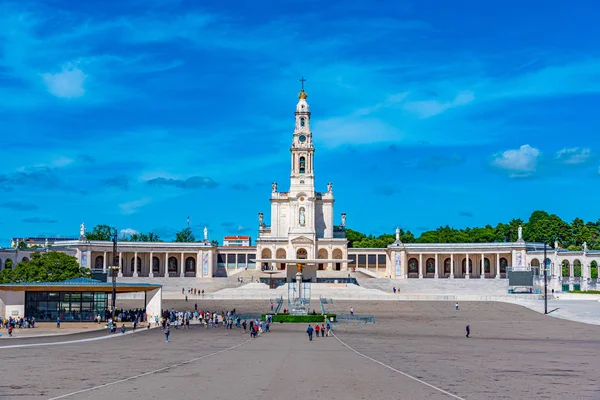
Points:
x=303 y=231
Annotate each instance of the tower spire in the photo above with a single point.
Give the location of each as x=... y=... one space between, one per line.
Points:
x=302 y=95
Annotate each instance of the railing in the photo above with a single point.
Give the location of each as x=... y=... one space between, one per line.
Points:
x=354 y=318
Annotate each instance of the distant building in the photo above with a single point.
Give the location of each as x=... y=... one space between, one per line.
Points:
x=236 y=241
x=37 y=241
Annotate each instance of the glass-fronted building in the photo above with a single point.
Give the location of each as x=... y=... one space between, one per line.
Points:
x=74 y=300
x=68 y=306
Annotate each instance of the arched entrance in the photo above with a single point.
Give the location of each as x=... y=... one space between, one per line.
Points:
x=301 y=254
x=430 y=266
x=172 y=266
x=281 y=255
x=8 y=263
x=565 y=268
x=265 y=254
x=413 y=267
x=337 y=255
x=535 y=266
x=486 y=266
x=190 y=265
x=25 y=259
x=594 y=270
x=323 y=256
x=99 y=263
x=577 y=268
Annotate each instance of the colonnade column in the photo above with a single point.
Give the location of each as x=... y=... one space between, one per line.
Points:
x=151 y=273
x=467 y=266
x=435 y=276
x=166 y=264
x=182 y=273
x=497 y=265
x=451 y=266
x=135 y=264
x=420 y=266
x=120 y=265
x=199 y=264
x=103 y=263
x=482 y=266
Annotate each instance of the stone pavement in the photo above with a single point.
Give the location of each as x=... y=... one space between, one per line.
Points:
x=513 y=353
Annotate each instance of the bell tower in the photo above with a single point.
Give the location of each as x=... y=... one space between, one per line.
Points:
x=302 y=178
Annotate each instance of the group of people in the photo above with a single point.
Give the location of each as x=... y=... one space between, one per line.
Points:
x=324 y=329
x=211 y=319
x=11 y=323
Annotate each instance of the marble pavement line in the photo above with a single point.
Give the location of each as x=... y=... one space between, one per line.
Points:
x=156 y=371
x=398 y=371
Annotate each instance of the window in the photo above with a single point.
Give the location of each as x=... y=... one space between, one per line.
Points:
x=302 y=121
x=302 y=165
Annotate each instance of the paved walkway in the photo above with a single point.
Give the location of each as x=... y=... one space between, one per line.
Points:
x=43 y=329
x=586 y=311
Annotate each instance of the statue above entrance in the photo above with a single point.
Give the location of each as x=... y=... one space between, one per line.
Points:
x=274 y=187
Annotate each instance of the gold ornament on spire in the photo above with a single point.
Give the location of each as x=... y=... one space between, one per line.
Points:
x=302 y=95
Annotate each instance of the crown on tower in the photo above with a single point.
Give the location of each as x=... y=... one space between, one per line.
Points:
x=302 y=95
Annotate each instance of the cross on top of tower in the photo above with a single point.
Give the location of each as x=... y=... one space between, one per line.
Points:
x=302 y=95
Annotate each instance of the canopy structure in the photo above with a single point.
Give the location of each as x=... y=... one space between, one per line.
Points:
x=77 y=293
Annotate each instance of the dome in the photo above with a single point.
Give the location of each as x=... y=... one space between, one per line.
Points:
x=302 y=95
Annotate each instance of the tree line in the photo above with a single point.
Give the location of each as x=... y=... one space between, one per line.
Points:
x=105 y=232
x=541 y=227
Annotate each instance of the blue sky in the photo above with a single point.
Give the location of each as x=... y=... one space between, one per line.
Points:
x=139 y=114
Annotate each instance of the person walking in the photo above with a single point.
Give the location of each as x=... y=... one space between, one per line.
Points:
x=58 y=323
x=456 y=305
x=322 y=330
x=468 y=330
x=309 y=330
x=167 y=333
x=351 y=310
x=317 y=329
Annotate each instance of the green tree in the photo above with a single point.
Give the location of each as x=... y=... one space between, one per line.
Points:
x=100 y=232
x=214 y=242
x=8 y=263
x=143 y=237
x=185 y=236
x=21 y=245
x=46 y=267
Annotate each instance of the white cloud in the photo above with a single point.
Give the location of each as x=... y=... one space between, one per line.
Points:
x=574 y=155
x=518 y=163
x=131 y=207
x=430 y=108
x=62 y=162
x=66 y=84
x=127 y=232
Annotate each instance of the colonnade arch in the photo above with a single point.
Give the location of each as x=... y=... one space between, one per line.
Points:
x=281 y=254
x=322 y=255
x=337 y=255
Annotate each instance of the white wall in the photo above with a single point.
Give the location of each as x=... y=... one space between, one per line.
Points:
x=12 y=304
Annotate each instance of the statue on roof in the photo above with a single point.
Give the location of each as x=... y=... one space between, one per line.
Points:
x=82 y=231
x=274 y=187
x=206 y=234
x=260 y=219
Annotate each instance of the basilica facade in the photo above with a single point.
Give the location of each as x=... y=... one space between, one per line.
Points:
x=303 y=230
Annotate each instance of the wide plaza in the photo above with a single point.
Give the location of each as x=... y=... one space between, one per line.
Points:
x=414 y=350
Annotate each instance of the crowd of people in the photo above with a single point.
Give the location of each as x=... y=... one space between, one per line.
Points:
x=11 y=323
x=211 y=319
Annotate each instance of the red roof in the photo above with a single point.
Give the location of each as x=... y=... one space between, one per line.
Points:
x=236 y=238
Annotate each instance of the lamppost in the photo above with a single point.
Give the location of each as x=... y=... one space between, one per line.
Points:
x=114 y=270
x=545 y=281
